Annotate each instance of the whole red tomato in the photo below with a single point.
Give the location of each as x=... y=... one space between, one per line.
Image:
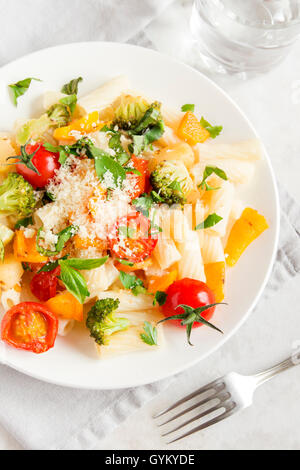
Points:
x=192 y=293
x=37 y=165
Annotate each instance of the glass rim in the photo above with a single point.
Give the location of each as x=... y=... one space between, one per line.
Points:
x=262 y=26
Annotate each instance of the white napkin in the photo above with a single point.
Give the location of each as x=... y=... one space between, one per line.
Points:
x=43 y=416
x=30 y=25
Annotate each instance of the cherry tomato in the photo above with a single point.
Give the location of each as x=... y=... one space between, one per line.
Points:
x=130 y=238
x=44 y=285
x=30 y=326
x=45 y=162
x=137 y=181
x=188 y=292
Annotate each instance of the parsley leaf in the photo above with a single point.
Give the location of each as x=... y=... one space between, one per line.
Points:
x=150 y=335
x=213 y=130
x=210 y=221
x=160 y=298
x=71 y=88
x=209 y=170
x=188 y=107
x=24 y=222
x=133 y=283
x=20 y=88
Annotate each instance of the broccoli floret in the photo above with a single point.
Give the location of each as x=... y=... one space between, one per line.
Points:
x=59 y=115
x=102 y=321
x=16 y=196
x=130 y=112
x=171 y=181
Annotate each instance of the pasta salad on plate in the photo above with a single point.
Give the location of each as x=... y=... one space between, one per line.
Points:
x=121 y=214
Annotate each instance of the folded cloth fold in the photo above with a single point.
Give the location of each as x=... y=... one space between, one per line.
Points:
x=44 y=416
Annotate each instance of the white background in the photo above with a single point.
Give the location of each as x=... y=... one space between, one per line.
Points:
x=272 y=102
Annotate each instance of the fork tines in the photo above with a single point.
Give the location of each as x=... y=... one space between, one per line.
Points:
x=219 y=401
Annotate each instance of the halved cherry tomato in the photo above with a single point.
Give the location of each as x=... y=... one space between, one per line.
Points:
x=130 y=238
x=44 y=285
x=30 y=326
x=45 y=162
x=137 y=181
x=192 y=293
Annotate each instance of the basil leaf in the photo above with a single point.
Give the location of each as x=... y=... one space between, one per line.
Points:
x=210 y=221
x=133 y=283
x=65 y=236
x=143 y=204
x=2 y=251
x=26 y=267
x=24 y=222
x=125 y=262
x=20 y=88
x=188 y=107
x=85 y=264
x=213 y=130
x=160 y=298
x=104 y=163
x=150 y=335
x=209 y=170
x=74 y=282
x=70 y=101
x=47 y=268
x=71 y=88
x=115 y=144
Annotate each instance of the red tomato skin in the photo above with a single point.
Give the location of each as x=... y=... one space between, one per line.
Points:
x=141 y=247
x=37 y=347
x=188 y=292
x=45 y=162
x=44 y=285
x=138 y=181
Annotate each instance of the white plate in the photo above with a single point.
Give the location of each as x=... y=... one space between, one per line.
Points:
x=73 y=361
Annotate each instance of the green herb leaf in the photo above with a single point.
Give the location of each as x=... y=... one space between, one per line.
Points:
x=24 y=222
x=48 y=267
x=115 y=144
x=104 y=162
x=150 y=335
x=124 y=262
x=213 y=130
x=192 y=315
x=20 y=88
x=74 y=281
x=143 y=204
x=63 y=237
x=133 y=283
x=188 y=107
x=209 y=170
x=71 y=88
x=26 y=267
x=70 y=101
x=160 y=298
x=85 y=264
x=210 y=221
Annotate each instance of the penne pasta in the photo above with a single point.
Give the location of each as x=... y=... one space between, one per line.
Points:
x=101 y=98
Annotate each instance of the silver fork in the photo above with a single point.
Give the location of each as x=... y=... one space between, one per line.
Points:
x=227 y=396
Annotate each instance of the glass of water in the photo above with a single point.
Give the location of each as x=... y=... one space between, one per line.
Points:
x=245 y=36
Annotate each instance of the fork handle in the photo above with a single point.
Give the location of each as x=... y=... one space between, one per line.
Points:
x=268 y=374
